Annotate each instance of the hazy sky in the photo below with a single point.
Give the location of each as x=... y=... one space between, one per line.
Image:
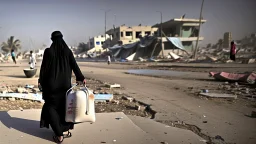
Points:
x=32 y=21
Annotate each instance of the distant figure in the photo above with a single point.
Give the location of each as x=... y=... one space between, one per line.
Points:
x=13 y=56
x=233 y=51
x=109 y=59
x=32 y=60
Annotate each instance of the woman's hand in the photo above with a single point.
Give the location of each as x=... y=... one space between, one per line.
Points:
x=82 y=82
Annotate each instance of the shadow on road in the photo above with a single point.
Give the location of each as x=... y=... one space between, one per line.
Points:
x=30 y=127
x=8 y=66
x=17 y=76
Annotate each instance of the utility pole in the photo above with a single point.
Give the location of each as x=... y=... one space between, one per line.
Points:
x=114 y=21
x=106 y=11
x=200 y=21
x=161 y=29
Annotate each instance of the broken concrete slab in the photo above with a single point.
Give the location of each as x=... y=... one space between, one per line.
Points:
x=38 y=96
x=29 y=96
x=174 y=56
x=128 y=98
x=217 y=95
x=103 y=97
x=113 y=85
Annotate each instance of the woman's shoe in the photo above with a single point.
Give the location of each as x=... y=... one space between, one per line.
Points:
x=68 y=135
x=57 y=140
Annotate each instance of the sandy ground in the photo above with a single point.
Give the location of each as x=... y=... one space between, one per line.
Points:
x=174 y=99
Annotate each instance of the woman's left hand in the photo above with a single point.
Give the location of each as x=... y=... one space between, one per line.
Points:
x=81 y=82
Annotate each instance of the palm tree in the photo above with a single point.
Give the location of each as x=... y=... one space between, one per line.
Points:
x=82 y=47
x=11 y=44
x=209 y=45
x=220 y=43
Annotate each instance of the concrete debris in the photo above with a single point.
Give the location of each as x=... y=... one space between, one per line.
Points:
x=216 y=95
x=229 y=61
x=11 y=99
x=213 y=59
x=174 y=56
x=21 y=109
x=103 y=97
x=113 y=86
x=21 y=90
x=128 y=98
x=115 y=102
x=249 y=61
x=140 y=108
x=141 y=59
x=29 y=86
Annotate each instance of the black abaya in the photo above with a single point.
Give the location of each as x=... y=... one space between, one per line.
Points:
x=55 y=79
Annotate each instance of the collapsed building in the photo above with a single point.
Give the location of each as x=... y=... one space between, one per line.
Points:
x=178 y=36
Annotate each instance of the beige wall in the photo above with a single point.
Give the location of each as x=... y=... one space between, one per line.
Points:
x=129 y=39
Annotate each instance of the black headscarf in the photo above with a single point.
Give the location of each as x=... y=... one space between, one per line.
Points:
x=58 y=44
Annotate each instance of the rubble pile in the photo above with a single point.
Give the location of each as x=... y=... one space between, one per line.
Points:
x=117 y=104
x=242 y=91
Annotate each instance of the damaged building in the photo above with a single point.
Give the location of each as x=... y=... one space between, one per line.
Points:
x=178 y=36
x=183 y=32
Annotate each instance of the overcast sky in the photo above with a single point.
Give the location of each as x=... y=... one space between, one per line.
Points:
x=32 y=21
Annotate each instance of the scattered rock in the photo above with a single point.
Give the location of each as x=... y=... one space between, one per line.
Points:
x=21 y=90
x=118 y=93
x=21 y=108
x=99 y=88
x=176 y=88
x=11 y=99
x=96 y=92
x=115 y=102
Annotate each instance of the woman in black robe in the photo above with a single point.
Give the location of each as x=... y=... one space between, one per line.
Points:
x=55 y=79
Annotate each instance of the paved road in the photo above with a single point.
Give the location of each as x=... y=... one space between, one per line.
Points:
x=225 y=120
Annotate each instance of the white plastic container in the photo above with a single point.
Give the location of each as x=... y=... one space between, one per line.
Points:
x=80 y=106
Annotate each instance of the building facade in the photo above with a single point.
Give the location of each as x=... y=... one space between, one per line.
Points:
x=227 y=38
x=96 y=43
x=187 y=30
x=126 y=35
